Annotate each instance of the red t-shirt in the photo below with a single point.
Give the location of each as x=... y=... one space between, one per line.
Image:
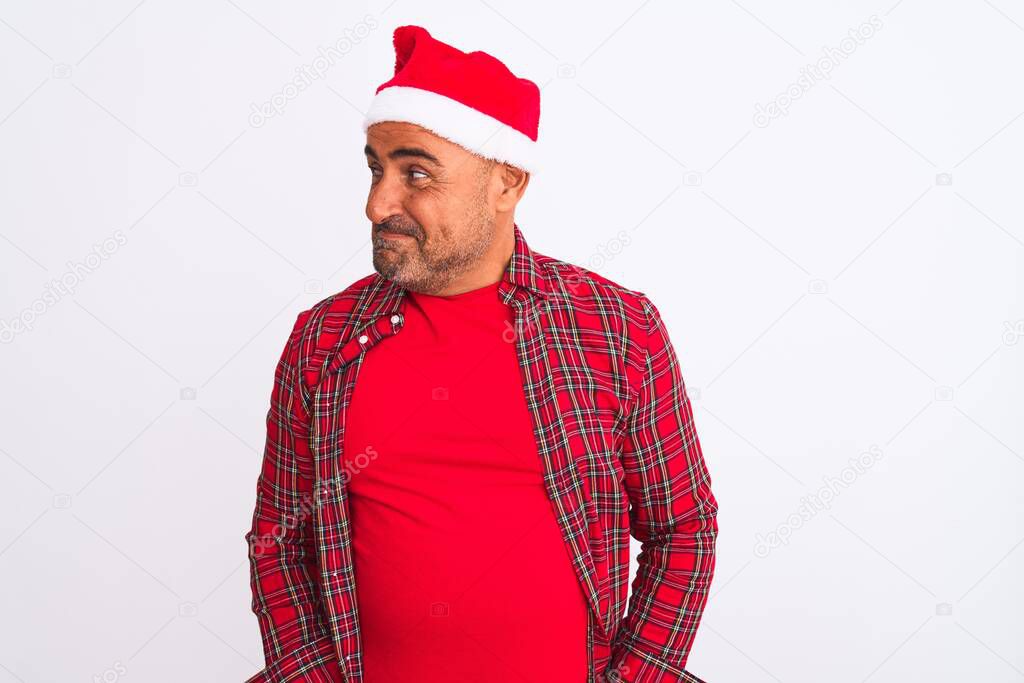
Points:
x=460 y=568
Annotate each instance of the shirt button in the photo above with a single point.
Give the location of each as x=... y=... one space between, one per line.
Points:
x=395 y=319
x=363 y=339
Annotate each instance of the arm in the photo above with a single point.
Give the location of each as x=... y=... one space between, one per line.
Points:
x=673 y=515
x=282 y=553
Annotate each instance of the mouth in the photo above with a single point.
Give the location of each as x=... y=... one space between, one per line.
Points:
x=389 y=234
x=386 y=240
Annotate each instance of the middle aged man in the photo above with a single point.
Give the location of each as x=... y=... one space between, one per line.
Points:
x=460 y=444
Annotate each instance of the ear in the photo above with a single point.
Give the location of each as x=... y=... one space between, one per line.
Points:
x=513 y=184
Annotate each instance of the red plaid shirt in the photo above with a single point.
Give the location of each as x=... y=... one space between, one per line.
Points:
x=614 y=429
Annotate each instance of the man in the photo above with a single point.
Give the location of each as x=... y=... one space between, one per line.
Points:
x=460 y=444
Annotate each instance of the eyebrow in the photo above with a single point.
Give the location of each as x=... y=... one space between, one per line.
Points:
x=398 y=152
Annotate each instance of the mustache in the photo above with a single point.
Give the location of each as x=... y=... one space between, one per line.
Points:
x=397 y=226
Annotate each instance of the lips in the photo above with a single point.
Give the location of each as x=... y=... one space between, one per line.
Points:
x=390 y=234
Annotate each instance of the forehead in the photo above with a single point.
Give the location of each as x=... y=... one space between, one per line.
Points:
x=388 y=136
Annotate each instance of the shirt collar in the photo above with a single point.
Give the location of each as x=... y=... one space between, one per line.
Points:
x=524 y=269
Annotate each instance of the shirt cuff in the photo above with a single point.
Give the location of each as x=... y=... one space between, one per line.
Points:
x=629 y=665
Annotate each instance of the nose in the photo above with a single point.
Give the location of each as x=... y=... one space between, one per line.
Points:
x=385 y=199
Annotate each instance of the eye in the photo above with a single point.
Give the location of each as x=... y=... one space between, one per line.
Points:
x=422 y=173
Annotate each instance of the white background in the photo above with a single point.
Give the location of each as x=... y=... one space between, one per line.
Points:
x=827 y=289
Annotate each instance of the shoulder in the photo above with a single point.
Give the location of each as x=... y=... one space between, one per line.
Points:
x=319 y=329
x=595 y=307
x=588 y=292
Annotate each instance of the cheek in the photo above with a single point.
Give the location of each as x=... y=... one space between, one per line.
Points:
x=424 y=210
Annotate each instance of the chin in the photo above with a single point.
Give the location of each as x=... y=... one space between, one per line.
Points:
x=389 y=263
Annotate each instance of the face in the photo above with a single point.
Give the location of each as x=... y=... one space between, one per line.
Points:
x=430 y=206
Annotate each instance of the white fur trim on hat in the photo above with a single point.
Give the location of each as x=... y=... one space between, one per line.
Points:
x=457 y=122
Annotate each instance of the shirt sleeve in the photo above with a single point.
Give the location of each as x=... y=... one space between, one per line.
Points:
x=282 y=556
x=672 y=513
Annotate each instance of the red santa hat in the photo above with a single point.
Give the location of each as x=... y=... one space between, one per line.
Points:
x=471 y=99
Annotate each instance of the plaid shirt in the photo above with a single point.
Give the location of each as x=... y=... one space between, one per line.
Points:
x=614 y=429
